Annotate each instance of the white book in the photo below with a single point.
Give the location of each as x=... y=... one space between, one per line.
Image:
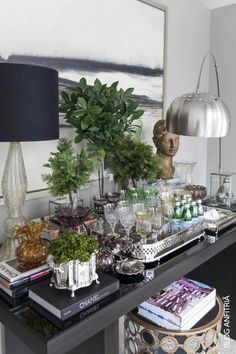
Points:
x=11 y=271
x=163 y=322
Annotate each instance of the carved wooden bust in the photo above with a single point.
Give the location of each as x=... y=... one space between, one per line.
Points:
x=167 y=145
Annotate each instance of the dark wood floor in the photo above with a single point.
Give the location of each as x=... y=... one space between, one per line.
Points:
x=220 y=272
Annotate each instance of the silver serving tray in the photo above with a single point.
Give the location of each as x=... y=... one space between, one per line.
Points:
x=154 y=251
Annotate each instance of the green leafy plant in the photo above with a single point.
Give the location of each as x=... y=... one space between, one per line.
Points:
x=138 y=194
x=69 y=170
x=71 y=246
x=101 y=114
x=135 y=160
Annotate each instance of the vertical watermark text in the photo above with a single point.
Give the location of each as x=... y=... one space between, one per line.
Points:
x=226 y=321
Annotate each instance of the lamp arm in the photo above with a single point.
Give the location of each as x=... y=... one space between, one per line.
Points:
x=218 y=94
x=216 y=71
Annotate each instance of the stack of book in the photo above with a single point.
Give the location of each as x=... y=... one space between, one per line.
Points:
x=15 y=281
x=180 y=305
x=59 y=307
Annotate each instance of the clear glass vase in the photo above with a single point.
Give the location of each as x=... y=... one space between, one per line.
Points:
x=14 y=188
x=184 y=171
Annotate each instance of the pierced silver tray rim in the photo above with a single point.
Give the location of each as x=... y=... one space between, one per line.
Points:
x=152 y=252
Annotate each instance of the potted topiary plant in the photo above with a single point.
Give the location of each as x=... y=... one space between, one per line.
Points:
x=101 y=114
x=135 y=160
x=69 y=171
x=72 y=258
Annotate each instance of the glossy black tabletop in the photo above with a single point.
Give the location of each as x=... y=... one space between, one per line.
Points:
x=38 y=332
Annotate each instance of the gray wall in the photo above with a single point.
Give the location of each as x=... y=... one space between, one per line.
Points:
x=187 y=42
x=188 y=39
x=223 y=45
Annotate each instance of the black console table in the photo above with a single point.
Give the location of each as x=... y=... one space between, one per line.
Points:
x=87 y=335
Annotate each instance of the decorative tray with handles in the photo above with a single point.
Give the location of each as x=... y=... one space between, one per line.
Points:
x=154 y=251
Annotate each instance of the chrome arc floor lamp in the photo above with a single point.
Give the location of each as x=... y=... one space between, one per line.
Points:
x=200 y=114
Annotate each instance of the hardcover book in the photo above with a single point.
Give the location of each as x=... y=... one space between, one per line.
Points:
x=13 y=302
x=11 y=271
x=26 y=281
x=15 y=294
x=73 y=319
x=180 y=305
x=62 y=305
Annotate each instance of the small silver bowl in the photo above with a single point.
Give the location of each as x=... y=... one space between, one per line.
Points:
x=129 y=267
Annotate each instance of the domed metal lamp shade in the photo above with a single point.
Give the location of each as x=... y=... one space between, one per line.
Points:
x=199 y=114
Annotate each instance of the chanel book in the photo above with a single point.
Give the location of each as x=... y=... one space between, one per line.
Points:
x=76 y=318
x=62 y=305
x=180 y=305
x=11 y=271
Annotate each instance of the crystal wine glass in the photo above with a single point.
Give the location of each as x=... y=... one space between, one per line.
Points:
x=156 y=221
x=127 y=218
x=123 y=203
x=151 y=201
x=143 y=224
x=111 y=215
x=137 y=207
x=167 y=208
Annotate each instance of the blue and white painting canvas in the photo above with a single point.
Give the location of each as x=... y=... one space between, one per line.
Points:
x=113 y=40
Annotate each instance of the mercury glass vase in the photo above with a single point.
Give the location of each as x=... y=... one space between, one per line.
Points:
x=14 y=188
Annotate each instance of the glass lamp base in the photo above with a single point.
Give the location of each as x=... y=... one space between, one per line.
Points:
x=14 y=188
x=8 y=249
x=10 y=223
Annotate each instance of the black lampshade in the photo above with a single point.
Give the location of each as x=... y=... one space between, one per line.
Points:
x=28 y=103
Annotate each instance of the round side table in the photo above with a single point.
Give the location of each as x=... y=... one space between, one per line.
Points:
x=144 y=337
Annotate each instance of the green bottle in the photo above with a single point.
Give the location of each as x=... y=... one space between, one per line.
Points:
x=186 y=217
x=194 y=212
x=176 y=219
x=182 y=204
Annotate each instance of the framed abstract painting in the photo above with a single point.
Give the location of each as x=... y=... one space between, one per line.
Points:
x=115 y=40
